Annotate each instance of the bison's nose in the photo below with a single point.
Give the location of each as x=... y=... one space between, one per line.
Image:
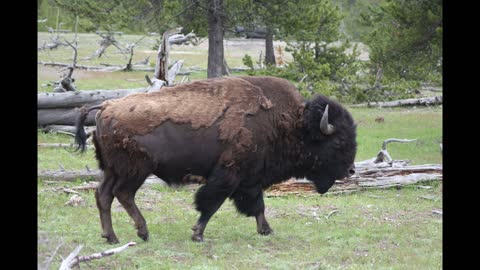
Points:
x=351 y=171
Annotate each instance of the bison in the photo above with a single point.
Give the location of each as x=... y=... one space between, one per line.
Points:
x=239 y=134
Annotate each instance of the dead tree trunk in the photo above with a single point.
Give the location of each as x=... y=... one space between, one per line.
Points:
x=161 y=67
x=215 y=39
x=162 y=75
x=269 y=51
x=62 y=116
x=80 y=98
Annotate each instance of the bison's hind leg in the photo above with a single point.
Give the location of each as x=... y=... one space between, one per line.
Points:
x=125 y=190
x=104 y=199
x=249 y=201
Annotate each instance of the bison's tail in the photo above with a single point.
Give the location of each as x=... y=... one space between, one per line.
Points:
x=80 y=135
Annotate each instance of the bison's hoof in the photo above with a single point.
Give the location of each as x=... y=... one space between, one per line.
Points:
x=143 y=235
x=111 y=239
x=197 y=238
x=265 y=230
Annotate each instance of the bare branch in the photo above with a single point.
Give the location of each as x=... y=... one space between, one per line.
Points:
x=172 y=73
x=303 y=78
x=387 y=141
x=49 y=260
x=75 y=53
x=67 y=263
x=73 y=260
x=383 y=155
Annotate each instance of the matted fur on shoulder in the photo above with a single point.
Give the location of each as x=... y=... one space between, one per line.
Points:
x=199 y=103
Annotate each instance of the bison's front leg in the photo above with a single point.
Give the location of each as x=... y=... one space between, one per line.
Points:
x=208 y=199
x=262 y=225
x=249 y=201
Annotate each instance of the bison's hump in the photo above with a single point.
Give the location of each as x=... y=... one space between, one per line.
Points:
x=199 y=103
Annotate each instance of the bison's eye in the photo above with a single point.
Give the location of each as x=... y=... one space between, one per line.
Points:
x=336 y=143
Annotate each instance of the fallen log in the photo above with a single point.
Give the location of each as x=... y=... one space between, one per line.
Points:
x=103 y=68
x=93 y=68
x=361 y=182
x=431 y=89
x=403 y=170
x=398 y=180
x=80 y=98
x=71 y=176
x=93 y=176
x=59 y=145
x=65 y=128
x=62 y=116
x=427 y=101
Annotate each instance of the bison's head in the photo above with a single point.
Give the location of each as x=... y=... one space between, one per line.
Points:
x=329 y=137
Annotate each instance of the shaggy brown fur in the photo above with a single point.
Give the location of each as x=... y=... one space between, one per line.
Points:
x=199 y=103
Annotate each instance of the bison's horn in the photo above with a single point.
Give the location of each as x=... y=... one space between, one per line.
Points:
x=325 y=127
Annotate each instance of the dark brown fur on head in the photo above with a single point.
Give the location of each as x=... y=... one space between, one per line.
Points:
x=331 y=156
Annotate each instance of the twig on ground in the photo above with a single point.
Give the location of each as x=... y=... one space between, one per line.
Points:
x=73 y=260
x=331 y=213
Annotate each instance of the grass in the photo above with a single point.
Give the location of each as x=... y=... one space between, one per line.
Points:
x=397 y=231
x=376 y=229
x=423 y=124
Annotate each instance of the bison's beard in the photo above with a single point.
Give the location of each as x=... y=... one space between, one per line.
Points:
x=322 y=188
x=323 y=183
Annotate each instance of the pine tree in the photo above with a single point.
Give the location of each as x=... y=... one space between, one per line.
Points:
x=406 y=40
